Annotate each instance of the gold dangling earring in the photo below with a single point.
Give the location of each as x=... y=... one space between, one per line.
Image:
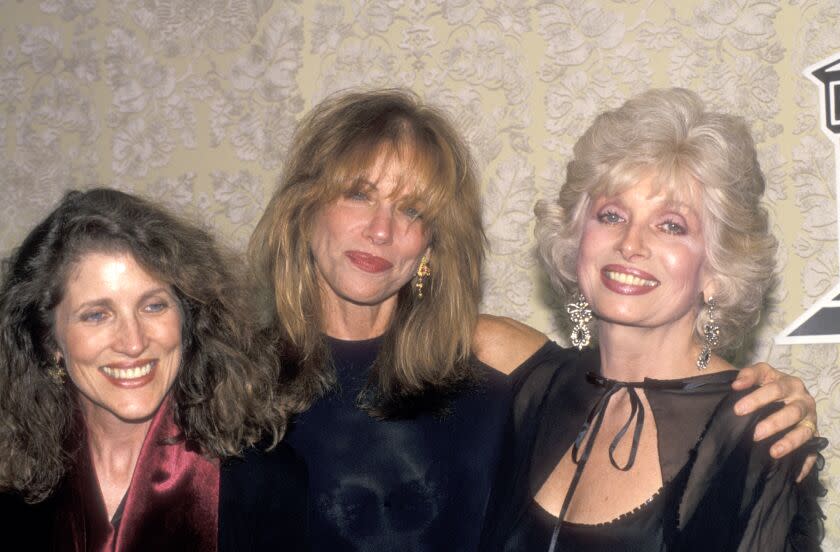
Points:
x=423 y=272
x=711 y=336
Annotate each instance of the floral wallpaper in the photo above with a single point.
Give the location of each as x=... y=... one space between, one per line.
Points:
x=193 y=102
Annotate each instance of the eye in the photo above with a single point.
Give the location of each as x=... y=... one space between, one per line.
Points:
x=93 y=316
x=673 y=227
x=610 y=217
x=357 y=195
x=156 y=306
x=412 y=212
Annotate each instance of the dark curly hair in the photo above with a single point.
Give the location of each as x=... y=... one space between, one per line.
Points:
x=225 y=394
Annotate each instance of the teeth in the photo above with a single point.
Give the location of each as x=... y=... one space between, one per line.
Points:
x=128 y=373
x=629 y=279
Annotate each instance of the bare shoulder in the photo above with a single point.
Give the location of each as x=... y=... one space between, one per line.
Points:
x=504 y=343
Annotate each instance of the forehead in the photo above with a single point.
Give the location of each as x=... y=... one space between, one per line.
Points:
x=100 y=274
x=423 y=168
x=682 y=192
x=392 y=175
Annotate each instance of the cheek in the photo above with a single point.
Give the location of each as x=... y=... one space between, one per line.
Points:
x=591 y=244
x=413 y=243
x=81 y=347
x=686 y=265
x=319 y=235
x=166 y=331
x=170 y=336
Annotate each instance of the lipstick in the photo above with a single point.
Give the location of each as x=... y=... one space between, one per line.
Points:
x=628 y=281
x=134 y=374
x=368 y=262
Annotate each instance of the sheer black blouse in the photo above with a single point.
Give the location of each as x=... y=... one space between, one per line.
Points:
x=720 y=490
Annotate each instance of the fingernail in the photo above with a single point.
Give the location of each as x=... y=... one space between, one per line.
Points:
x=760 y=433
x=740 y=409
x=777 y=450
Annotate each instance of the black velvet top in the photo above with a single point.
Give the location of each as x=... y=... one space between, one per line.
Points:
x=399 y=485
x=720 y=490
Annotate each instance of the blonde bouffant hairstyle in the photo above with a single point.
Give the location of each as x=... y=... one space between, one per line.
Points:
x=425 y=352
x=690 y=152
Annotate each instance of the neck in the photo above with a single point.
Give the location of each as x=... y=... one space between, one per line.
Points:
x=114 y=448
x=631 y=353
x=352 y=322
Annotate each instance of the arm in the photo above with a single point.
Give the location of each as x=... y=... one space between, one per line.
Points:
x=799 y=406
x=785 y=516
x=503 y=343
x=737 y=497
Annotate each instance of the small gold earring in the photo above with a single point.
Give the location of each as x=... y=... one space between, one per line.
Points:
x=423 y=272
x=57 y=371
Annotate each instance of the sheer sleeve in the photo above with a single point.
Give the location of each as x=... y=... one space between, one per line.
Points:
x=737 y=497
x=786 y=515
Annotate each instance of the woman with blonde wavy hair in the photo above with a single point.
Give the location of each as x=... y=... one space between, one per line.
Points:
x=658 y=236
x=369 y=254
x=133 y=388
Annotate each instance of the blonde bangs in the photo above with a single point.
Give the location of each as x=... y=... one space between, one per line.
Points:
x=669 y=176
x=426 y=174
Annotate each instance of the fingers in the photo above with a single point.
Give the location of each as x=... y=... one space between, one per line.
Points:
x=786 y=389
x=786 y=417
x=797 y=436
x=770 y=393
x=807 y=466
x=798 y=416
x=757 y=374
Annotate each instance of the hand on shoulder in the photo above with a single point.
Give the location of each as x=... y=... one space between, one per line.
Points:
x=504 y=343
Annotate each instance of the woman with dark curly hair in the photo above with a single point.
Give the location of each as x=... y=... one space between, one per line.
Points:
x=131 y=383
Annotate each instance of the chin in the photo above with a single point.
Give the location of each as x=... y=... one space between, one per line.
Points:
x=138 y=412
x=136 y=415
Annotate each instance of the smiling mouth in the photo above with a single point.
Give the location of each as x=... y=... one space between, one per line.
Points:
x=629 y=279
x=128 y=373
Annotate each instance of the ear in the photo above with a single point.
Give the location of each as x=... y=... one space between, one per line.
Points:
x=709 y=289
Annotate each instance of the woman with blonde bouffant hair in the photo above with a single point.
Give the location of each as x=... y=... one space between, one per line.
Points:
x=659 y=241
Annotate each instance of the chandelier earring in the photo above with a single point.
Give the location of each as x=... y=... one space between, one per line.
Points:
x=580 y=315
x=711 y=336
x=423 y=272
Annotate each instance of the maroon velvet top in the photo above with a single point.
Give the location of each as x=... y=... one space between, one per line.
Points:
x=172 y=502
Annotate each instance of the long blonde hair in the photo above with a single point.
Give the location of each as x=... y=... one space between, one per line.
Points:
x=425 y=354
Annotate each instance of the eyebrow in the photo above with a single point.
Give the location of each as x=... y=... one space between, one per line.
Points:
x=106 y=302
x=681 y=207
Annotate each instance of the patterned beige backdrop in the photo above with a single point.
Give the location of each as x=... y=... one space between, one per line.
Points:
x=193 y=101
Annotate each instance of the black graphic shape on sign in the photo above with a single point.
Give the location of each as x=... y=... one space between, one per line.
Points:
x=821 y=322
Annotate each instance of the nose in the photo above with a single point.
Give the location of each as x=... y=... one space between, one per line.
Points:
x=380 y=227
x=131 y=339
x=633 y=242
